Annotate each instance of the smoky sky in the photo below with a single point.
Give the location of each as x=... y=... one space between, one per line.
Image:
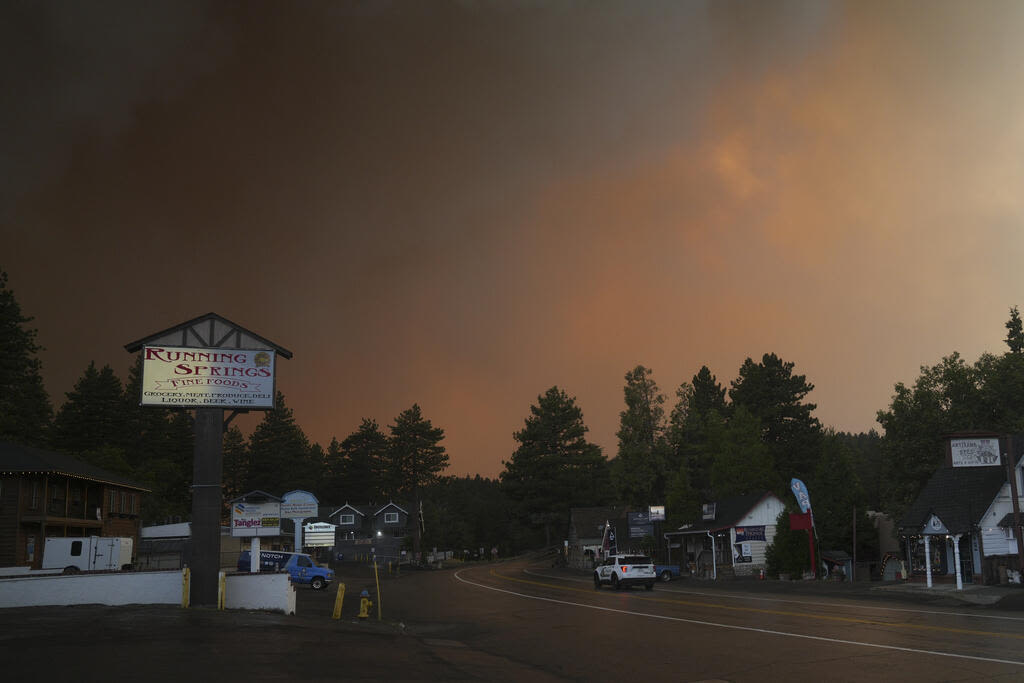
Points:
x=462 y=204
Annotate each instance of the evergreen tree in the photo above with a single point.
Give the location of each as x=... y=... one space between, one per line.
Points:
x=789 y=552
x=280 y=453
x=944 y=399
x=836 y=496
x=554 y=468
x=159 y=450
x=237 y=465
x=25 y=409
x=467 y=513
x=688 y=430
x=93 y=416
x=415 y=459
x=1015 y=332
x=355 y=466
x=682 y=502
x=742 y=463
x=774 y=395
x=639 y=470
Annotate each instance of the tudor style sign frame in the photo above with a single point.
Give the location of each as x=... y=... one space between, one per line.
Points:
x=221 y=339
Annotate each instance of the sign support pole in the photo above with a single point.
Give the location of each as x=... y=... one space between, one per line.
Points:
x=206 y=505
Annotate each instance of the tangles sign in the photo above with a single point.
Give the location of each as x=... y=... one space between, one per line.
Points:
x=974 y=452
x=175 y=376
x=256 y=519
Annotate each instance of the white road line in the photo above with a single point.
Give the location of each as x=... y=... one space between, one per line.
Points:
x=845 y=605
x=733 y=627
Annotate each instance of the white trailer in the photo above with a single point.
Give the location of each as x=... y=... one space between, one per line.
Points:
x=88 y=553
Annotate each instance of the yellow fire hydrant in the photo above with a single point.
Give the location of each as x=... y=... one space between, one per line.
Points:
x=364 y=605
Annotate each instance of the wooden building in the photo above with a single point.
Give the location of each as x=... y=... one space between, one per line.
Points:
x=45 y=494
x=376 y=530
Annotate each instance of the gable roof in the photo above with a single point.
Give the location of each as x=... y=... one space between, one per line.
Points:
x=210 y=330
x=728 y=512
x=19 y=459
x=958 y=496
x=388 y=506
x=346 y=506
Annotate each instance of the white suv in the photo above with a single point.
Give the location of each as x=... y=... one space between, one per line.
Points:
x=622 y=571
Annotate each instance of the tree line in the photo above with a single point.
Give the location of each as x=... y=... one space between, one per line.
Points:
x=711 y=442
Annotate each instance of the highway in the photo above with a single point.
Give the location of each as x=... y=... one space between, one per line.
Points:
x=518 y=621
x=554 y=621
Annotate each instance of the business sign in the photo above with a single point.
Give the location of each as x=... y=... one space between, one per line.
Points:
x=974 y=452
x=185 y=377
x=299 y=505
x=318 y=534
x=640 y=524
x=657 y=513
x=749 y=533
x=803 y=498
x=255 y=519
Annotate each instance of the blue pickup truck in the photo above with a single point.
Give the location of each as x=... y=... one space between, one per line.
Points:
x=300 y=567
x=667 y=572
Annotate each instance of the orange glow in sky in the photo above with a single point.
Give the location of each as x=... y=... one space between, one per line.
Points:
x=462 y=207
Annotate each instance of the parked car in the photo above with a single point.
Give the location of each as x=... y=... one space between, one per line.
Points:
x=667 y=572
x=300 y=567
x=623 y=571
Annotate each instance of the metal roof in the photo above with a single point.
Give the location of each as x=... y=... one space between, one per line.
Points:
x=18 y=459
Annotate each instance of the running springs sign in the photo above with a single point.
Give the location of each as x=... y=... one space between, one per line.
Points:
x=183 y=377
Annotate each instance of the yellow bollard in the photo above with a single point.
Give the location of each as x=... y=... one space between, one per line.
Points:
x=222 y=584
x=380 y=599
x=186 y=580
x=340 y=598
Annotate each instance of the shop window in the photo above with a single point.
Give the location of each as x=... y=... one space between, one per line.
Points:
x=113 y=502
x=33 y=501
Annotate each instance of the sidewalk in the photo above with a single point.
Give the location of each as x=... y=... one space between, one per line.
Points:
x=1001 y=597
x=1004 y=597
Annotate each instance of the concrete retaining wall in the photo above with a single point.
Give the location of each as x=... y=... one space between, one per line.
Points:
x=269 y=591
x=264 y=591
x=116 y=588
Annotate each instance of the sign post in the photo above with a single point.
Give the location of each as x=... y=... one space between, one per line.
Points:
x=297 y=506
x=207 y=364
x=803 y=499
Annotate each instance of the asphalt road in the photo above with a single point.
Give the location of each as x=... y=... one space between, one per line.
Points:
x=519 y=622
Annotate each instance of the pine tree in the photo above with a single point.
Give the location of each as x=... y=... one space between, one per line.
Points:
x=25 y=409
x=355 y=466
x=280 y=453
x=688 y=428
x=774 y=395
x=414 y=460
x=93 y=416
x=1015 y=332
x=554 y=468
x=639 y=470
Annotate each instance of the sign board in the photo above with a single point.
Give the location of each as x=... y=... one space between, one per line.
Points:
x=974 y=452
x=256 y=519
x=657 y=513
x=318 y=534
x=803 y=498
x=185 y=377
x=749 y=533
x=640 y=524
x=299 y=505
